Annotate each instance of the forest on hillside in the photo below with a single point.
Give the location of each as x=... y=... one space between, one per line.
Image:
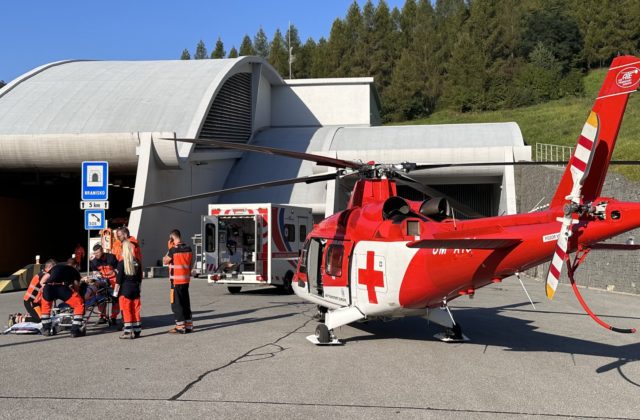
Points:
x=463 y=55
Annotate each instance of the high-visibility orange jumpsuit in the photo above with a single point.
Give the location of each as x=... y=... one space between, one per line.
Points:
x=33 y=297
x=129 y=297
x=59 y=283
x=181 y=258
x=106 y=266
x=137 y=251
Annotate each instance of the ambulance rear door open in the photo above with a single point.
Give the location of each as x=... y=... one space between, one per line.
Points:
x=210 y=245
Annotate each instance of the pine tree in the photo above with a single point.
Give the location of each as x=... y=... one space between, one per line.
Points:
x=558 y=31
x=466 y=79
x=293 y=46
x=185 y=55
x=450 y=16
x=278 y=56
x=2 y=84
x=261 y=44
x=233 y=53
x=408 y=22
x=246 y=48
x=304 y=59
x=201 y=51
x=365 y=45
x=320 y=66
x=384 y=41
x=415 y=83
x=336 y=50
x=219 y=51
x=351 y=63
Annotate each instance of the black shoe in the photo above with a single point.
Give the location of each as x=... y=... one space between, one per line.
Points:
x=46 y=332
x=136 y=334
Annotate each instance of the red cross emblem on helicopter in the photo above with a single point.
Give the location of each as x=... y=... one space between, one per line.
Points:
x=371 y=278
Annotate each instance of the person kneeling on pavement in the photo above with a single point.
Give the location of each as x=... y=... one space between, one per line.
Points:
x=129 y=279
x=62 y=281
x=33 y=295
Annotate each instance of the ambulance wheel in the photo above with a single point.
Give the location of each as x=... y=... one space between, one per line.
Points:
x=322 y=334
x=234 y=289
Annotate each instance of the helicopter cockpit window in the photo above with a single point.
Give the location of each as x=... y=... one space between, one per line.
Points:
x=333 y=261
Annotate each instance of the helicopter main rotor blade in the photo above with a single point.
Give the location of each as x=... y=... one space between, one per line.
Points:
x=432 y=192
x=519 y=163
x=305 y=179
x=319 y=159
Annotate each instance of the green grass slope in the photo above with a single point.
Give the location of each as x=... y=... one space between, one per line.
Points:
x=560 y=122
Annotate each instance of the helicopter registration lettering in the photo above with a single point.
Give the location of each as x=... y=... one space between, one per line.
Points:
x=443 y=251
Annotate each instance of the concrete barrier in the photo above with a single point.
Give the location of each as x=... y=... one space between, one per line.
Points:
x=152 y=272
x=20 y=279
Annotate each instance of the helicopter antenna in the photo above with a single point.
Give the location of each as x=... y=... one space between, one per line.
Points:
x=525 y=290
x=536 y=206
x=453 y=216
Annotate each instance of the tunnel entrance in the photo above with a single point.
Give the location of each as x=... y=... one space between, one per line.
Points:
x=40 y=215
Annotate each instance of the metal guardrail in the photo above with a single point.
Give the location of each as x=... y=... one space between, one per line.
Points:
x=552 y=152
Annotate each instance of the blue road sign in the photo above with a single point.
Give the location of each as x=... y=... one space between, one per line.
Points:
x=94 y=220
x=95 y=181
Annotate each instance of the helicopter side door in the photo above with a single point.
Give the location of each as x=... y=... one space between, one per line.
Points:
x=335 y=271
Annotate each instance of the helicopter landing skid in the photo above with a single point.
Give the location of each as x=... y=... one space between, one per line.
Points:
x=334 y=342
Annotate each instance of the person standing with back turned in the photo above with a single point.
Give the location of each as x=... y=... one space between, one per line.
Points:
x=129 y=278
x=180 y=259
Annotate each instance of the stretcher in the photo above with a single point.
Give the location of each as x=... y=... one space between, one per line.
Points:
x=98 y=300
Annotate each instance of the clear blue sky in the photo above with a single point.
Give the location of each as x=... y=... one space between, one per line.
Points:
x=35 y=32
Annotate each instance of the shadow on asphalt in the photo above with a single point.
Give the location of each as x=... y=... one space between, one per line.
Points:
x=493 y=327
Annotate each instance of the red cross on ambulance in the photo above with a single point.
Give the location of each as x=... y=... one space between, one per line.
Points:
x=371 y=276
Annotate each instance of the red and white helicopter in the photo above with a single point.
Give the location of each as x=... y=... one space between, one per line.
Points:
x=385 y=256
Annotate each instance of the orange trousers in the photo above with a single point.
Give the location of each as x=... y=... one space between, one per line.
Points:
x=131 y=313
x=75 y=301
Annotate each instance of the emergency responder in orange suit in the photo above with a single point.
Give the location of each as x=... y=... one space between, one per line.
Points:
x=106 y=265
x=33 y=295
x=129 y=281
x=79 y=255
x=180 y=259
x=62 y=282
x=122 y=234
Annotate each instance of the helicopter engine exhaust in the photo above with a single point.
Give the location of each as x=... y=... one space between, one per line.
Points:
x=436 y=208
x=395 y=207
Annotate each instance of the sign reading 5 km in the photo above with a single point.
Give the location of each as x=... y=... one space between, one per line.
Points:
x=95 y=181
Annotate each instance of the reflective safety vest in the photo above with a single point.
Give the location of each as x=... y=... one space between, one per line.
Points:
x=180 y=265
x=34 y=287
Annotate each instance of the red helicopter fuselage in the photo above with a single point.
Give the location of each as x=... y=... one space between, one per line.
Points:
x=440 y=271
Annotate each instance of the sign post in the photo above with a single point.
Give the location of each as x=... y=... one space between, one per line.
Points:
x=94 y=196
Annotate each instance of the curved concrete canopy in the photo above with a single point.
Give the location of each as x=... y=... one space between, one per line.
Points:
x=61 y=103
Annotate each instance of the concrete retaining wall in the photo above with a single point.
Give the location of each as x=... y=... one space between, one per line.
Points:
x=20 y=279
x=610 y=270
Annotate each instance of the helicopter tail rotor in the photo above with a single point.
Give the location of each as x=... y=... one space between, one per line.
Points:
x=580 y=164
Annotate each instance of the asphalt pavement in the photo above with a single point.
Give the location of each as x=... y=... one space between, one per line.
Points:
x=249 y=359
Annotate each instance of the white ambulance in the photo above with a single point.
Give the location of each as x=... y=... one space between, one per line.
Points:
x=253 y=244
